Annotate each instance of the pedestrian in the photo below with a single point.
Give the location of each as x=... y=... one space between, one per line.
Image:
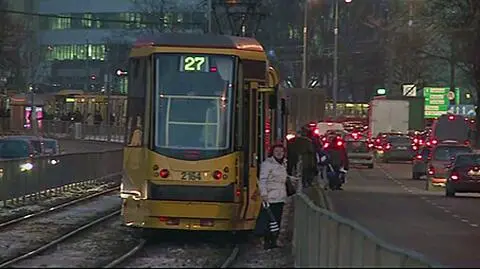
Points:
x=273 y=190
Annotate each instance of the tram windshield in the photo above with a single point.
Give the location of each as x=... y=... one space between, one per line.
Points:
x=193 y=103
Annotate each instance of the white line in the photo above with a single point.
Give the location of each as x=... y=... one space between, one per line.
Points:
x=464 y=220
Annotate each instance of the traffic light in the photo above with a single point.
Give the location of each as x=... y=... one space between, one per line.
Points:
x=93 y=77
x=121 y=73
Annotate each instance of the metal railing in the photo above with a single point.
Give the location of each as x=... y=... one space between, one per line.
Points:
x=30 y=178
x=78 y=131
x=324 y=239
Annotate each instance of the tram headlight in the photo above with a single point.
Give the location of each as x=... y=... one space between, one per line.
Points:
x=129 y=190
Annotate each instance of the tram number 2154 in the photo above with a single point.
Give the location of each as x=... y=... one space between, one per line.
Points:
x=191 y=176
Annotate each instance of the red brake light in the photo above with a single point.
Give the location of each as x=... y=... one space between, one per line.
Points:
x=454 y=176
x=388 y=146
x=418 y=157
x=414 y=147
x=451 y=117
x=434 y=141
x=213 y=69
x=312 y=124
x=415 y=140
x=326 y=145
x=164 y=173
x=217 y=175
x=316 y=132
x=339 y=143
x=329 y=124
x=466 y=143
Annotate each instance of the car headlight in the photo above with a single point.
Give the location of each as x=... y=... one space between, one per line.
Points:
x=53 y=161
x=26 y=167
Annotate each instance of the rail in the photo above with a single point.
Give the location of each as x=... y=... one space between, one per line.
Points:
x=26 y=179
x=324 y=239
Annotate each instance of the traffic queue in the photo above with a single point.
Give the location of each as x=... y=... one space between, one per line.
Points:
x=442 y=155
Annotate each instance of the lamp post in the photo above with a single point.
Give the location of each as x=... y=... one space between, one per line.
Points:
x=335 y=58
x=305 y=36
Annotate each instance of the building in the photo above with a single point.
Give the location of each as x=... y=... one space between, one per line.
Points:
x=83 y=42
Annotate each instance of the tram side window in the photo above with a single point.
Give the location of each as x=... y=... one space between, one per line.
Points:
x=137 y=80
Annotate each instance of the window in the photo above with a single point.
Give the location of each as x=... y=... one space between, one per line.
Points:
x=14 y=149
x=193 y=100
x=61 y=23
x=136 y=101
x=76 y=52
x=445 y=153
x=87 y=22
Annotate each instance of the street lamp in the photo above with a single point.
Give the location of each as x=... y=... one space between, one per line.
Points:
x=305 y=36
x=335 y=59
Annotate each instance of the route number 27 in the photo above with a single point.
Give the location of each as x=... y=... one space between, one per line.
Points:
x=194 y=63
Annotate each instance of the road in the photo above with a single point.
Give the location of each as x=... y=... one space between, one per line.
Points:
x=73 y=146
x=397 y=209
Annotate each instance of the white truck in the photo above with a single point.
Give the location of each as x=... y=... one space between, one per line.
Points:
x=387 y=116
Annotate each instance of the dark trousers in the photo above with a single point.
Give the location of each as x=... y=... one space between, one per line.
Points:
x=271 y=238
x=307 y=177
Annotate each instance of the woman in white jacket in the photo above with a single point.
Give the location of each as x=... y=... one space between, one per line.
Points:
x=272 y=180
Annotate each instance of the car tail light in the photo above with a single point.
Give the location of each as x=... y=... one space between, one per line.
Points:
x=290 y=136
x=326 y=145
x=418 y=157
x=415 y=140
x=316 y=132
x=414 y=147
x=164 y=173
x=324 y=139
x=339 y=143
x=451 y=117
x=370 y=145
x=431 y=171
x=217 y=175
x=467 y=143
x=454 y=176
x=434 y=141
x=388 y=146
x=420 y=142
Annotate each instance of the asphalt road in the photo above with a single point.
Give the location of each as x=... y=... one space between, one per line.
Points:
x=73 y=146
x=397 y=209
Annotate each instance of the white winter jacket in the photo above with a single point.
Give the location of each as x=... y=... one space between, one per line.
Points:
x=272 y=181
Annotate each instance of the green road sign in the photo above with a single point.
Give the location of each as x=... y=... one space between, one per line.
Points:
x=436 y=101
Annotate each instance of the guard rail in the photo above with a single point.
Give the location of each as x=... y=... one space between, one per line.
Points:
x=324 y=239
x=29 y=178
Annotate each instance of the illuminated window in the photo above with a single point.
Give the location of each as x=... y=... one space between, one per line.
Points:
x=75 y=52
x=61 y=23
x=87 y=22
x=123 y=85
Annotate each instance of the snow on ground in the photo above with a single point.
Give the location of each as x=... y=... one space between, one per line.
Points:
x=182 y=250
x=95 y=247
x=31 y=234
x=13 y=211
x=254 y=256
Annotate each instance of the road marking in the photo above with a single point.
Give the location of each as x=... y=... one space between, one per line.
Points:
x=406 y=188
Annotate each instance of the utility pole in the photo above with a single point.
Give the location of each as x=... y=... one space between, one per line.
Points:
x=335 y=61
x=305 y=41
x=209 y=15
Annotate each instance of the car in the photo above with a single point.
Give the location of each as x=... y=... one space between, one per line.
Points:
x=11 y=148
x=419 y=163
x=464 y=175
x=359 y=152
x=397 y=148
x=43 y=146
x=440 y=158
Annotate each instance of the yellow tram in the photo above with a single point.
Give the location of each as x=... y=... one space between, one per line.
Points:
x=201 y=114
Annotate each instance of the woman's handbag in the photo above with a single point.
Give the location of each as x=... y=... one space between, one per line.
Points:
x=290 y=187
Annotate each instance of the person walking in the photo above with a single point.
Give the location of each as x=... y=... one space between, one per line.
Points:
x=272 y=186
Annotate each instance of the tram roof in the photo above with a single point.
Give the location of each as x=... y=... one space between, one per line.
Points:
x=200 y=41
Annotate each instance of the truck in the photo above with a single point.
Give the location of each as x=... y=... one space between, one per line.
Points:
x=386 y=115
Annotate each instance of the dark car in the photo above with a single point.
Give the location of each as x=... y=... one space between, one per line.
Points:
x=16 y=148
x=397 y=148
x=464 y=175
x=439 y=160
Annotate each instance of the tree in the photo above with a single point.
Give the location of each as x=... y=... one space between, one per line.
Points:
x=459 y=22
x=162 y=15
x=10 y=39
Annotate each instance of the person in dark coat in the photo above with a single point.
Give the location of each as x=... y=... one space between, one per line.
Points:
x=303 y=147
x=338 y=157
